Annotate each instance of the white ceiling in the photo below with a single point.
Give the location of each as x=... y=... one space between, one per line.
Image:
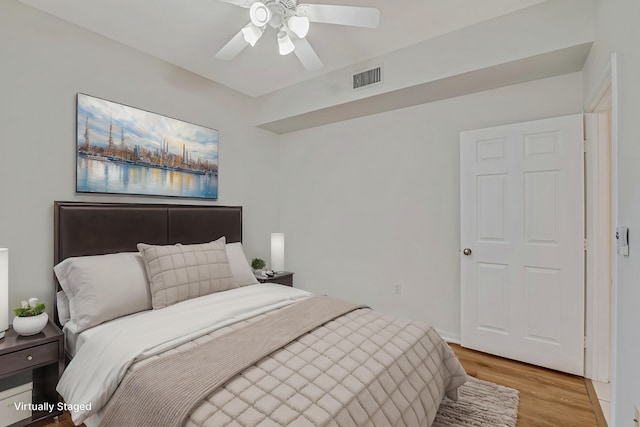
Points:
x=188 y=33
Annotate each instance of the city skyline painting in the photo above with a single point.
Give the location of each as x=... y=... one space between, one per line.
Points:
x=126 y=150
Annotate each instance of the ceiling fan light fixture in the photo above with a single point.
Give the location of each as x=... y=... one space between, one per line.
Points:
x=260 y=14
x=285 y=45
x=291 y=22
x=299 y=25
x=252 y=33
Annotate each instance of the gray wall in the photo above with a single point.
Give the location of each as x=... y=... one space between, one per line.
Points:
x=373 y=202
x=45 y=62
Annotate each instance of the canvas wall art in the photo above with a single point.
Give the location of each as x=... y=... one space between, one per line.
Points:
x=125 y=150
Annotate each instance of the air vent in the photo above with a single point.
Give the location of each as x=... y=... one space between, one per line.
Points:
x=367 y=78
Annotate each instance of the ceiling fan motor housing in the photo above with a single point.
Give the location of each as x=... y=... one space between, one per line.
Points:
x=279 y=10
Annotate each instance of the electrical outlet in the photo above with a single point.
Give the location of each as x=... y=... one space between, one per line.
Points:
x=636 y=417
x=397 y=289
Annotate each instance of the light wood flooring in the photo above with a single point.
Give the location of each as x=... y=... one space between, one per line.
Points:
x=547 y=398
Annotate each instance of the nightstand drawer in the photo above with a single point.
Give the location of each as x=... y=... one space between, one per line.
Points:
x=24 y=359
x=284 y=280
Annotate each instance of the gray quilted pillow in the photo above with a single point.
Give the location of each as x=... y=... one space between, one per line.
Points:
x=180 y=272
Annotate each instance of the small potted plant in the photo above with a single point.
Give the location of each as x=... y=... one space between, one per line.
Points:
x=30 y=318
x=258 y=264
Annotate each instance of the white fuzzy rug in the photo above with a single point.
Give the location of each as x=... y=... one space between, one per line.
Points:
x=480 y=404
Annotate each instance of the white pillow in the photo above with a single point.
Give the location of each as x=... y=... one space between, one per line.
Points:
x=242 y=273
x=104 y=287
x=180 y=272
x=64 y=309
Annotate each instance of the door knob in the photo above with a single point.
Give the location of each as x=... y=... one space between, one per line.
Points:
x=466 y=251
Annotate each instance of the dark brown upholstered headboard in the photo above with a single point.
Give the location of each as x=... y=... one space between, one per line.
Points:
x=100 y=228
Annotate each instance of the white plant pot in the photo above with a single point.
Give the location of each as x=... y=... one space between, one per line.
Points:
x=31 y=325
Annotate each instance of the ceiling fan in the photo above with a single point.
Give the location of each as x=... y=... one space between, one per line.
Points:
x=291 y=21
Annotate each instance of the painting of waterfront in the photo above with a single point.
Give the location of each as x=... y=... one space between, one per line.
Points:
x=125 y=150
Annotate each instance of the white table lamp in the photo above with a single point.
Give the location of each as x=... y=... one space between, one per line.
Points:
x=277 y=251
x=4 y=291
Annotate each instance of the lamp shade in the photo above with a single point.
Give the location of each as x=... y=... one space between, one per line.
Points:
x=4 y=291
x=277 y=251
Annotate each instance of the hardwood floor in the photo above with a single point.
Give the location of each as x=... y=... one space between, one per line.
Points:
x=63 y=421
x=547 y=398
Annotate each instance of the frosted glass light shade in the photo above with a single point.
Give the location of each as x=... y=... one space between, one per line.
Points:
x=277 y=251
x=299 y=25
x=260 y=14
x=4 y=291
x=252 y=34
x=285 y=45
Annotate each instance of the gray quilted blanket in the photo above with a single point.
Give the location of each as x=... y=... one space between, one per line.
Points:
x=361 y=369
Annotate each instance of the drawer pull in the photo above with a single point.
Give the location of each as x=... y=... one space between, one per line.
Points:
x=29 y=357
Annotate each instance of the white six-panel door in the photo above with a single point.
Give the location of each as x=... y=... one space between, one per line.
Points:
x=522 y=226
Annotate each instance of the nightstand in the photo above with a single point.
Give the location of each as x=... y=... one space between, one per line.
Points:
x=42 y=355
x=282 y=278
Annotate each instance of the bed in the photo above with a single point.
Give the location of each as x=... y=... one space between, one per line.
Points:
x=233 y=352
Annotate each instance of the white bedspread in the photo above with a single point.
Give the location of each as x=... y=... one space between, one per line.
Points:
x=107 y=352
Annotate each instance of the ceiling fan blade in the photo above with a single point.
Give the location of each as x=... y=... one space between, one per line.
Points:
x=233 y=47
x=306 y=55
x=242 y=3
x=368 y=17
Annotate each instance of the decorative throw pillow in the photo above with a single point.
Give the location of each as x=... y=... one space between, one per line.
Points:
x=180 y=272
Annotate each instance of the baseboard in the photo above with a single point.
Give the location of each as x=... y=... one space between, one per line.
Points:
x=595 y=403
x=448 y=336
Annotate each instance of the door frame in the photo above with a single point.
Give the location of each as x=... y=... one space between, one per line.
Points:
x=598 y=255
x=601 y=310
